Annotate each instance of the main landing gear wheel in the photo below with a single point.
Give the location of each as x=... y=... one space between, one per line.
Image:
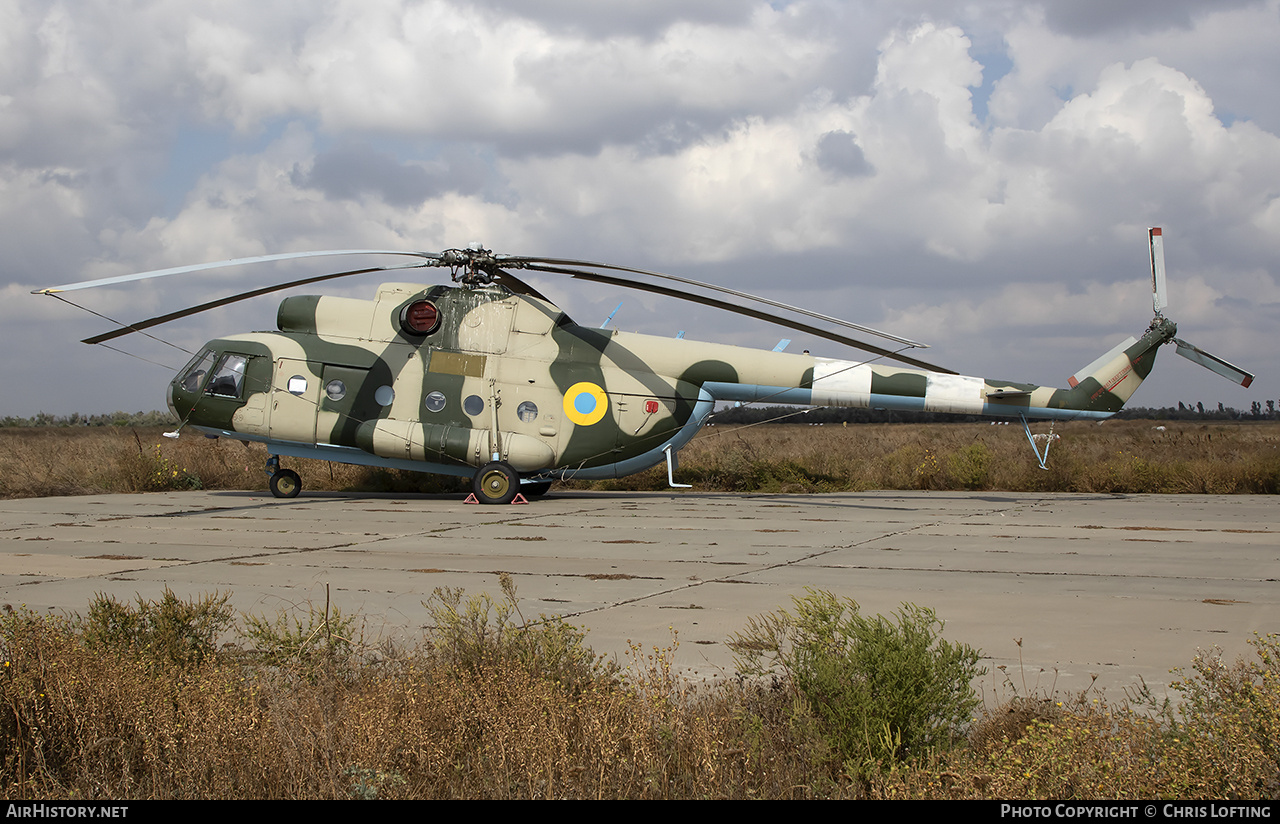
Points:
x=285 y=483
x=495 y=483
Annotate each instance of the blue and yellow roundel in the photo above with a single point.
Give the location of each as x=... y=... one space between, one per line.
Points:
x=585 y=403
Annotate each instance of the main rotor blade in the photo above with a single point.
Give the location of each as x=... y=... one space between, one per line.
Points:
x=1213 y=363
x=515 y=284
x=197 y=267
x=214 y=304
x=531 y=262
x=741 y=310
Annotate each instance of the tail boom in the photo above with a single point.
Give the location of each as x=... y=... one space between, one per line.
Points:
x=1099 y=391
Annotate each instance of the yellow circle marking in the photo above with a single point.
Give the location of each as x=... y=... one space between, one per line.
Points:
x=585 y=403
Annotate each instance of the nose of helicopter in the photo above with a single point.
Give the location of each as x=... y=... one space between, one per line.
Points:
x=168 y=395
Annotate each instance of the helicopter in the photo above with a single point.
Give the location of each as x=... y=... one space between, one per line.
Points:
x=488 y=379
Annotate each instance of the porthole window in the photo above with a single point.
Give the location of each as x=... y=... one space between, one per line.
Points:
x=335 y=390
x=297 y=385
x=420 y=318
x=527 y=412
x=473 y=405
x=384 y=395
x=434 y=401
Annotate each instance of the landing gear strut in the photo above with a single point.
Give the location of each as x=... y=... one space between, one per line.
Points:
x=284 y=483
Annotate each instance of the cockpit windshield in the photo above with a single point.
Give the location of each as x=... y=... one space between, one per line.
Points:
x=193 y=377
x=228 y=377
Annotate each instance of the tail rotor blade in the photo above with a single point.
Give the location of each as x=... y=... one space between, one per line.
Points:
x=1159 y=297
x=1212 y=362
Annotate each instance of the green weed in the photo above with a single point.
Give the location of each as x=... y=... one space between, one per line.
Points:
x=883 y=691
x=480 y=632
x=169 y=630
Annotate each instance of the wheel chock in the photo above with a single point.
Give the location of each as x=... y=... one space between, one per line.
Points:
x=518 y=499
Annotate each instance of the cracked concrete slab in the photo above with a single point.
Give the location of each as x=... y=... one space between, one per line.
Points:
x=1117 y=586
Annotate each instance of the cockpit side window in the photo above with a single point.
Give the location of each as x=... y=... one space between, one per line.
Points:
x=193 y=377
x=228 y=378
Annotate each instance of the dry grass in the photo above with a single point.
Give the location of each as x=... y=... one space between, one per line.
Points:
x=312 y=712
x=1220 y=741
x=1118 y=456
x=91 y=723
x=38 y=462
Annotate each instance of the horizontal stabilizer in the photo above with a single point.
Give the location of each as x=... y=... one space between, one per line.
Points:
x=1213 y=362
x=1101 y=362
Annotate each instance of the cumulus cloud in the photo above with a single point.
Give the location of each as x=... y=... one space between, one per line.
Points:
x=1083 y=18
x=838 y=152
x=827 y=153
x=353 y=170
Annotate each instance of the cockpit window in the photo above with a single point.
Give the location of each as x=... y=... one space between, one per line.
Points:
x=228 y=379
x=193 y=378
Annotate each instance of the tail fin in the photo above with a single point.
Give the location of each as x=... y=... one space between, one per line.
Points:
x=1107 y=384
x=1102 y=362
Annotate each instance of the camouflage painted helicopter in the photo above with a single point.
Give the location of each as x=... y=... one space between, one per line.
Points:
x=490 y=380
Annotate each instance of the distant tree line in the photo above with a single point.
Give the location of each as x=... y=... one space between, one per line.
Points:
x=1258 y=411
x=76 y=419
x=1261 y=411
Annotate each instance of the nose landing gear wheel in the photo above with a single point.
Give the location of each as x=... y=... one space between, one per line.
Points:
x=285 y=483
x=495 y=483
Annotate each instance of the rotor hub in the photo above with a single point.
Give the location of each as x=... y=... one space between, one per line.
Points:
x=472 y=266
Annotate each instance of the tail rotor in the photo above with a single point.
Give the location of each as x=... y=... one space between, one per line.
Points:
x=1160 y=301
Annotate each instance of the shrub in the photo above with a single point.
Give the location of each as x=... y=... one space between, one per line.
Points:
x=882 y=691
x=969 y=466
x=480 y=633
x=168 y=630
x=323 y=638
x=1226 y=730
x=166 y=473
x=1219 y=740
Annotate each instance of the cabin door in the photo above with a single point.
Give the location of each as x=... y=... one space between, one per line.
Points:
x=295 y=398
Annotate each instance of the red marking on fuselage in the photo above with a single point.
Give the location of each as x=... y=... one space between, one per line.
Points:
x=1124 y=373
x=1114 y=382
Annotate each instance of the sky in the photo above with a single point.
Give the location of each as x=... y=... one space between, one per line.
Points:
x=978 y=175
